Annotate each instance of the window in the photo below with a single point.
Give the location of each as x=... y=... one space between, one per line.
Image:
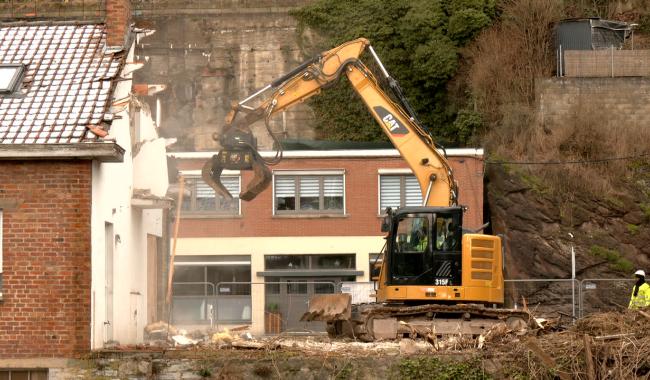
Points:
x=204 y=200
x=10 y=77
x=412 y=235
x=398 y=191
x=304 y=194
x=23 y=374
x=206 y=290
x=375 y=262
x=333 y=261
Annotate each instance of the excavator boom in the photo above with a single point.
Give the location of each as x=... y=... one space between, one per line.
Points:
x=398 y=123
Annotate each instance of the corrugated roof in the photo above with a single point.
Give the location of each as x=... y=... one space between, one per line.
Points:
x=67 y=85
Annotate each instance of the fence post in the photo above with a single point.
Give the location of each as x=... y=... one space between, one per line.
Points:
x=573 y=282
x=612 y=59
x=561 y=63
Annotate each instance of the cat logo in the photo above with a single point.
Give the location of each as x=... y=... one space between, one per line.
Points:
x=394 y=126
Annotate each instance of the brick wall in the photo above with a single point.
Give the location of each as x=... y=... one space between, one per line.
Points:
x=625 y=100
x=361 y=198
x=118 y=18
x=46 y=259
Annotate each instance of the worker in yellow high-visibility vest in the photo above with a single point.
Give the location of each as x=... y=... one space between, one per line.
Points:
x=641 y=292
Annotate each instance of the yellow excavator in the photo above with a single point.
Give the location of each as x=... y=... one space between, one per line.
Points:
x=434 y=277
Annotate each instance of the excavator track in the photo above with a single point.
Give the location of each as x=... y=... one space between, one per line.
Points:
x=372 y=322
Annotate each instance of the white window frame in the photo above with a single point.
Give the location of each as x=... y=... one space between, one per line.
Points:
x=388 y=172
x=16 y=79
x=325 y=172
x=196 y=174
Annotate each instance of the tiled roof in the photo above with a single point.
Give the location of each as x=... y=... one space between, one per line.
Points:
x=67 y=85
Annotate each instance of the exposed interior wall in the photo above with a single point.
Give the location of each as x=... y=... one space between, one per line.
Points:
x=207 y=60
x=144 y=168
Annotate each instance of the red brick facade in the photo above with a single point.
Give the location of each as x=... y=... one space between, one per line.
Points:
x=361 y=198
x=46 y=258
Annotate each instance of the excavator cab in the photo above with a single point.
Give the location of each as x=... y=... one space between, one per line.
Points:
x=239 y=152
x=424 y=245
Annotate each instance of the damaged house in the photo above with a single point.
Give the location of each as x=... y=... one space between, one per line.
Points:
x=83 y=178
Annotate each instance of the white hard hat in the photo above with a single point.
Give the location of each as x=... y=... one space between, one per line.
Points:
x=640 y=272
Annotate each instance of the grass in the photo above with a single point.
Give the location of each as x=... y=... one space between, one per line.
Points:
x=633 y=229
x=433 y=368
x=534 y=182
x=613 y=257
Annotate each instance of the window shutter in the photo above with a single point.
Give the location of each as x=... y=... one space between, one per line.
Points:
x=285 y=186
x=412 y=194
x=232 y=185
x=389 y=191
x=333 y=186
x=203 y=190
x=309 y=186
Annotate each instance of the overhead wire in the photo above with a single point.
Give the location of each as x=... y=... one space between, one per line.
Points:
x=570 y=162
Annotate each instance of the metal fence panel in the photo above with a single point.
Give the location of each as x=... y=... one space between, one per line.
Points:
x=604 y=294
x=361 y=292
x=275 y=306
x=544 y=297
x=280 y=305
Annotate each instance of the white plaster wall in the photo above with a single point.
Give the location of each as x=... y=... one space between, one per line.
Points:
x=113 y=185
x=150 y=162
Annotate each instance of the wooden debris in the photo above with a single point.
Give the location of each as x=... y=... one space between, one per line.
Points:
x=643 y=313
x=614 y=336
x=546 y=359
x=254 y=345
x=589 y=358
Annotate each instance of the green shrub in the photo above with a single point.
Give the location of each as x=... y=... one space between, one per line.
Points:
x=613 y=257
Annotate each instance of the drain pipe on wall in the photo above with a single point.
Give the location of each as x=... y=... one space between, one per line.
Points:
x=573 y=278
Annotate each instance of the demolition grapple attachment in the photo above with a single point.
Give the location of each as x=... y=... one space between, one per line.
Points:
x=239 y=153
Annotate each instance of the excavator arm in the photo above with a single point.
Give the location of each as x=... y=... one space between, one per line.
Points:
x=239 y=147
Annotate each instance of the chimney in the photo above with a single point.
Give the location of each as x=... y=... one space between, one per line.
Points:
x=118 y=22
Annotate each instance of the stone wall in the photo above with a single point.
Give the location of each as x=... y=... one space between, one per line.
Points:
x=208 y=363
x=207 y=60
x=624 y=100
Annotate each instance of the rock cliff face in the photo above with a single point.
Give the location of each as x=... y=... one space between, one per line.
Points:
x=209 y=58
x=611 y=233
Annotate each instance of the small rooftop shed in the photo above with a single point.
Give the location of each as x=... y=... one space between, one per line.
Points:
x=590 y=34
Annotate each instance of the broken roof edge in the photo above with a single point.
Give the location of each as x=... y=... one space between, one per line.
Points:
x=47 y=22
x=99 y=151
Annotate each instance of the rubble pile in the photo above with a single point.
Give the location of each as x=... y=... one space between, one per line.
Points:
x=613 y=345
x=599 y=346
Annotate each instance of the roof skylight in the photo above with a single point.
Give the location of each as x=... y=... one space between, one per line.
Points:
x=10 y=77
